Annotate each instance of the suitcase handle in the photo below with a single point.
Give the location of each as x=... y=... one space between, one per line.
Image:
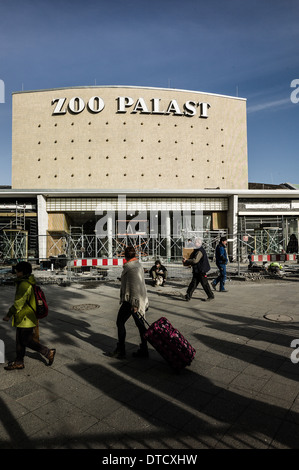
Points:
x=140 y=317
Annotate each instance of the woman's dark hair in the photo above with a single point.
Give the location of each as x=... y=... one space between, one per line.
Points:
x=24 y=267
x=130 y=252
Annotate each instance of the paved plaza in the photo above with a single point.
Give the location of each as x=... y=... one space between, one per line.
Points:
x=240 y=392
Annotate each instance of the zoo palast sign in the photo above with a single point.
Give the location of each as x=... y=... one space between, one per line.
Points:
x=124 y=104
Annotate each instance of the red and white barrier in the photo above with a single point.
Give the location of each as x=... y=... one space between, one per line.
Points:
x=280 y=257
x=78 y=263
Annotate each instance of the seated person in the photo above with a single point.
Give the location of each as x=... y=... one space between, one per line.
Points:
x=158 y=273
x=275 y=268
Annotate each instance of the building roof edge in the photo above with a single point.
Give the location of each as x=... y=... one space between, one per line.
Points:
x=291 y=193
x=130 y=87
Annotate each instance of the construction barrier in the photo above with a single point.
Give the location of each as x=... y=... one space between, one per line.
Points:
x=273 y=257
x=79 y=263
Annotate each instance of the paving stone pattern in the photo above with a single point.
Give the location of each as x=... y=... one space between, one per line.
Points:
x=240 y=392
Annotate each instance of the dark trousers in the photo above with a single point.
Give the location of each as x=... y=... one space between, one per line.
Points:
x=124 y=314
x=24 y=339
x=196 y=279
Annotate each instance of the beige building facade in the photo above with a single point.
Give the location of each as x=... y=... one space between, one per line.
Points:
x=133 y=138
x=97 y=168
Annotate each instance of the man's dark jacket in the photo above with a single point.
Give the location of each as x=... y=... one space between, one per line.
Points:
x=203 y=266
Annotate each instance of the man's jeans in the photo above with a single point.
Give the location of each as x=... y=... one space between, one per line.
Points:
x=222 y=276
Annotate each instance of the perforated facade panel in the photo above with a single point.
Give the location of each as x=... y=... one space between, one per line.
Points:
x=128 y=138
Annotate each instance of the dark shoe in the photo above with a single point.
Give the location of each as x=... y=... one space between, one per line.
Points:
x=224 y=290
x=140 y=353
x=187 y=298
x=14 y=366
x=213 y=285
x=51 y=356
x=117 y=354
x=209 y=298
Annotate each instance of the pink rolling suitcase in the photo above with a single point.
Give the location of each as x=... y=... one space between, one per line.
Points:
x=170 y=343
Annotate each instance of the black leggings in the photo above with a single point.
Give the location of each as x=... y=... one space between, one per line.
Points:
x=24 y=339
x=124 y=314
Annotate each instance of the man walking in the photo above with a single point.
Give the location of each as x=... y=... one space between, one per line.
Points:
x=200 y=266
x=221 y=262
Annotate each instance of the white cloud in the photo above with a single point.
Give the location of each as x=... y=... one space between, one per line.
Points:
x=271 y=104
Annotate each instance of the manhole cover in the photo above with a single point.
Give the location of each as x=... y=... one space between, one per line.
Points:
x=85 y=307
x=278 y=317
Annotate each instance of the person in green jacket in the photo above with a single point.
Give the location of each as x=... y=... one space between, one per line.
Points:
x=23 y=317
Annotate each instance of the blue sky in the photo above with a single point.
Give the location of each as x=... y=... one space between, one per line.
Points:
x=247 y=48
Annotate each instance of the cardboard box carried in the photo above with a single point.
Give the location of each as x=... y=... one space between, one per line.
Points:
x=187 y=252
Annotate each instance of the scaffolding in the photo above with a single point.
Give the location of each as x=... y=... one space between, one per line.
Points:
x=261 y=235
x=210 y=238
x=14 y=236
x=78 y=245
x=14 y=244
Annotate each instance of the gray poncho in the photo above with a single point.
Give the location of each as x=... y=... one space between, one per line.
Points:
x=133 y=288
